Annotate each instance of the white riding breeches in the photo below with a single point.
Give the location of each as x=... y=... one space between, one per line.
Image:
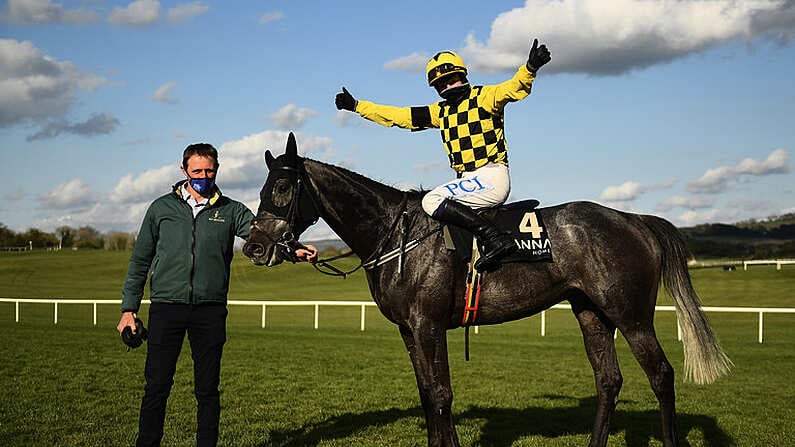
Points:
x=485 y=187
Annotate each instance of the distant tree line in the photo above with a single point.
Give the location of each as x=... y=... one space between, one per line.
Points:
x=752 y=239
x=770 y=238
x=66 y=237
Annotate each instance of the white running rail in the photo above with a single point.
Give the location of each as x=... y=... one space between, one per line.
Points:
x=364 y=304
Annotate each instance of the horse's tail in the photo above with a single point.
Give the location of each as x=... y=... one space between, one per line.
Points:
x=705 y=360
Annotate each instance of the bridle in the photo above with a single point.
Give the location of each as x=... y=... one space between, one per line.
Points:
x=287 y=244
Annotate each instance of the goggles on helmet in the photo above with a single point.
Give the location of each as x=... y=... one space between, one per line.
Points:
x=441 y=71
x=443 y=64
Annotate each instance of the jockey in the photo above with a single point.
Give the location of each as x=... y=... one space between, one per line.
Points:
x=471 y=122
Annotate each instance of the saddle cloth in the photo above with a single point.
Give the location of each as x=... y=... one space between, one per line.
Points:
x=521 y=220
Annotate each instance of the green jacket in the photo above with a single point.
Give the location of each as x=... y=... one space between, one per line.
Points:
x=189 y=258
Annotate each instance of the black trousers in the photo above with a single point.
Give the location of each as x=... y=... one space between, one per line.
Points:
x=206 y=329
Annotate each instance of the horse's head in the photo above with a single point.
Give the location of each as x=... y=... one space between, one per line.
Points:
x=286 y=209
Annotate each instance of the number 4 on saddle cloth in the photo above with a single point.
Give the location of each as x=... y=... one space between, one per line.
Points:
x=519 y=219
x=525 y=225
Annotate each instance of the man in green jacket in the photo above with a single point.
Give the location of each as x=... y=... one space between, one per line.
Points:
x=185 y=248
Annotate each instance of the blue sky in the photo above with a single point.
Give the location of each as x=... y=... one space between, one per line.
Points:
x=683 y=109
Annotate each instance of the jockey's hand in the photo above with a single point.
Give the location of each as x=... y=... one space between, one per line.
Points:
x=308 y=253
x=127 y=319
x=345 y=101
x=538 y=57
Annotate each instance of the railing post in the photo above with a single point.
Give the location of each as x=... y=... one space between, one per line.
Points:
x=760 y=326
x=263 y=316
x=95 y=314
x=317 y=310
x=55 y=316
x=16 y=311
x=543 y=323
x=362 y=325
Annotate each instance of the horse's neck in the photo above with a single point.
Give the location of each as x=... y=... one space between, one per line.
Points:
x=358 y=209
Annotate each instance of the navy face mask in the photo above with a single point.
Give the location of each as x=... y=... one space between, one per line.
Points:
x=202 y=185
x=456 y=94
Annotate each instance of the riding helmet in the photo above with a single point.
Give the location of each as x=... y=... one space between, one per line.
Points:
x=443 y=64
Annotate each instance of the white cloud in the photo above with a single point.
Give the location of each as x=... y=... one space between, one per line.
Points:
x=712 y=215
x=775 y=163
x=600 y=38
x=45 y=11
x=242 y=161
x=73 y=193
x=35 y=87
x=242 y=170
x=103 y=216
x=163 y=93
x=137 y=13
x=291 y=116
x=691 y=203
x=146 y=185
x=186 y=11
x=625 y=192
x=621 y=195
x=271 y=17
x=716 y=180
x=732 y=212
x=242 y=167
x=414 y=62
x=97 y=124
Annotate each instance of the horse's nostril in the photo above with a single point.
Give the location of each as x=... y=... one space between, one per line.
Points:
x=252 y=249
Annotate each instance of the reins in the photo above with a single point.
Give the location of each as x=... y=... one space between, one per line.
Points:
x=379 y=258
x=289 y=243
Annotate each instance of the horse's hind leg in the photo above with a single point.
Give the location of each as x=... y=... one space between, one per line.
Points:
x=597 y=333
x=643 y=342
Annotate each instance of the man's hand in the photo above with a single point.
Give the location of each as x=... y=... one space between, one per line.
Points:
x=308 y=253
x=345 y=100
x=127 y=319
x=539 y=56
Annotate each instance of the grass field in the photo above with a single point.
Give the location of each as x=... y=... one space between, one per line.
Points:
x=290 y=385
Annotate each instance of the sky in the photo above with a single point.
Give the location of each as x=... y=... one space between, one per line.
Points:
x=682 y=109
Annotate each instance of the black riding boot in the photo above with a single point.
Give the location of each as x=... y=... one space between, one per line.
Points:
x=495 y=244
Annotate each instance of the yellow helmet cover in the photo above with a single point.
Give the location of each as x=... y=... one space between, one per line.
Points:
x=443 y=64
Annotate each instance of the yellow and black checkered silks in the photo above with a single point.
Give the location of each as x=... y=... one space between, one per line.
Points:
x=472 y=131
x=472 y=136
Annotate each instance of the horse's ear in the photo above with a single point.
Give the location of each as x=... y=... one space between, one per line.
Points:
x=268 y=158
x=292 y=150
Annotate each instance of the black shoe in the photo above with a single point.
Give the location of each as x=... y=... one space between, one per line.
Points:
x=495 y=244
x=493 y=251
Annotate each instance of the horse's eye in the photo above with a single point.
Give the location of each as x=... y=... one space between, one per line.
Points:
x=282 y=193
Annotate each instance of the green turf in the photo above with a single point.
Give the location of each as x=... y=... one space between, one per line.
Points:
x=73 y=384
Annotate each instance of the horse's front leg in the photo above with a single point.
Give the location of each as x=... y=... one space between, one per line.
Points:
x=427 y=346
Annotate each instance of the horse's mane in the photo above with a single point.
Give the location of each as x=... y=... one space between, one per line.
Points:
x=413 y=193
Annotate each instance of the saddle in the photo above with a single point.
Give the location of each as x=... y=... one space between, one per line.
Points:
x=519 y=219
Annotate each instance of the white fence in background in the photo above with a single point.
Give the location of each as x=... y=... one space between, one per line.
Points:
x=778 y=262
x=364 y=304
